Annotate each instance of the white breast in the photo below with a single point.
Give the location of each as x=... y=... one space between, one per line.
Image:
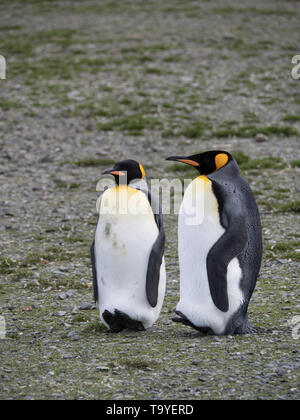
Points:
x=124 y=238
x=197 y=233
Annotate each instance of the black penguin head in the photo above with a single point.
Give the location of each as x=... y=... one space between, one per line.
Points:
x=126 y=171
x=205 y=163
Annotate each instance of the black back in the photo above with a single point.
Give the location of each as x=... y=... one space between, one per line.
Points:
x=242 y=238
x=157 y=253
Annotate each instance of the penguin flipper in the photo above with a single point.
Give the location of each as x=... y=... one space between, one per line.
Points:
x=156 y=255
x=95 y=284
x=229 y=246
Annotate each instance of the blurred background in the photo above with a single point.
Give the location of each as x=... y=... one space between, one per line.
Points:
x=92 y=82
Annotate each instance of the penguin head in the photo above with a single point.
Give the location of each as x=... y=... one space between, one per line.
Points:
x=126 y=170
x=206 y=162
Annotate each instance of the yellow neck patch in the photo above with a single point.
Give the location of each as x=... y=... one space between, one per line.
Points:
x=203 y=178
x=143 y=171
x=220 y=160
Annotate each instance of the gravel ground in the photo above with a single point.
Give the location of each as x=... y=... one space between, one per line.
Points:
x=92 y=82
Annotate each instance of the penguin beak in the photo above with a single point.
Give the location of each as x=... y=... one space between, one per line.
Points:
x=183 y=160
x=113 y=172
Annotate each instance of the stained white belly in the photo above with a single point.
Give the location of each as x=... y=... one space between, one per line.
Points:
x=123 y=244
x=195 y=241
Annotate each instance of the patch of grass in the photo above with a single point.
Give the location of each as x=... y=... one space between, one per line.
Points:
x=137 y=363
x=153 y=70
x=285 y=250
x=245 y=162
x=286 y=207
x=133 y=124
x=291 y=206
x=66 y=185
x=73 y=239
x=295 y=163
x=51 y=254
x=49 y=68
x=251 y=117
x=7 y=266
x=291 y=118
x=251 y=131
x=168 y=133
x=193 y=131
x=79 y=318
x=10 y=28
x=95 y=327
x=6 y=105
x=228 y=10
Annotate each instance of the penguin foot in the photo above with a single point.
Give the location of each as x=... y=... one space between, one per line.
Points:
x=247 y=328
x=184 y=320
x=114 y=324
x=129 y=323
x=119 y=320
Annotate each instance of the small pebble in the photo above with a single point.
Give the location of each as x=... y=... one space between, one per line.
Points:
x=261 y=138
x=60 y=313
x=102 y=368
x=84 y=306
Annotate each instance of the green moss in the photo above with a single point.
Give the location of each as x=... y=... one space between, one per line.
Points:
x=153 y=70
x=133 y=124
x=295 y=163
x=138 y=363
x=291 y=206
x=79 y=318
x=291 y=118
x=7 y=265
x=245 y=162
x=67 y=185
x=285 y=250
x=286 y=207
x=74 y=239
x=6 y=105
x=193 y=131
x=95 y=327
x=168 y=133
x=228 y=10
x=251 y=131
x=10 y=28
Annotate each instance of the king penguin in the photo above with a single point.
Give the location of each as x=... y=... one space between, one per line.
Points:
x=220 y=252
x=127 y=253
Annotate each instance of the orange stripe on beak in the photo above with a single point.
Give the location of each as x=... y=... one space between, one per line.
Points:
x=189 y=162
x=120 y=173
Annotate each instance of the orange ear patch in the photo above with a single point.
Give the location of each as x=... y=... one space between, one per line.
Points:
x=220 y=160
x=143 y=171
